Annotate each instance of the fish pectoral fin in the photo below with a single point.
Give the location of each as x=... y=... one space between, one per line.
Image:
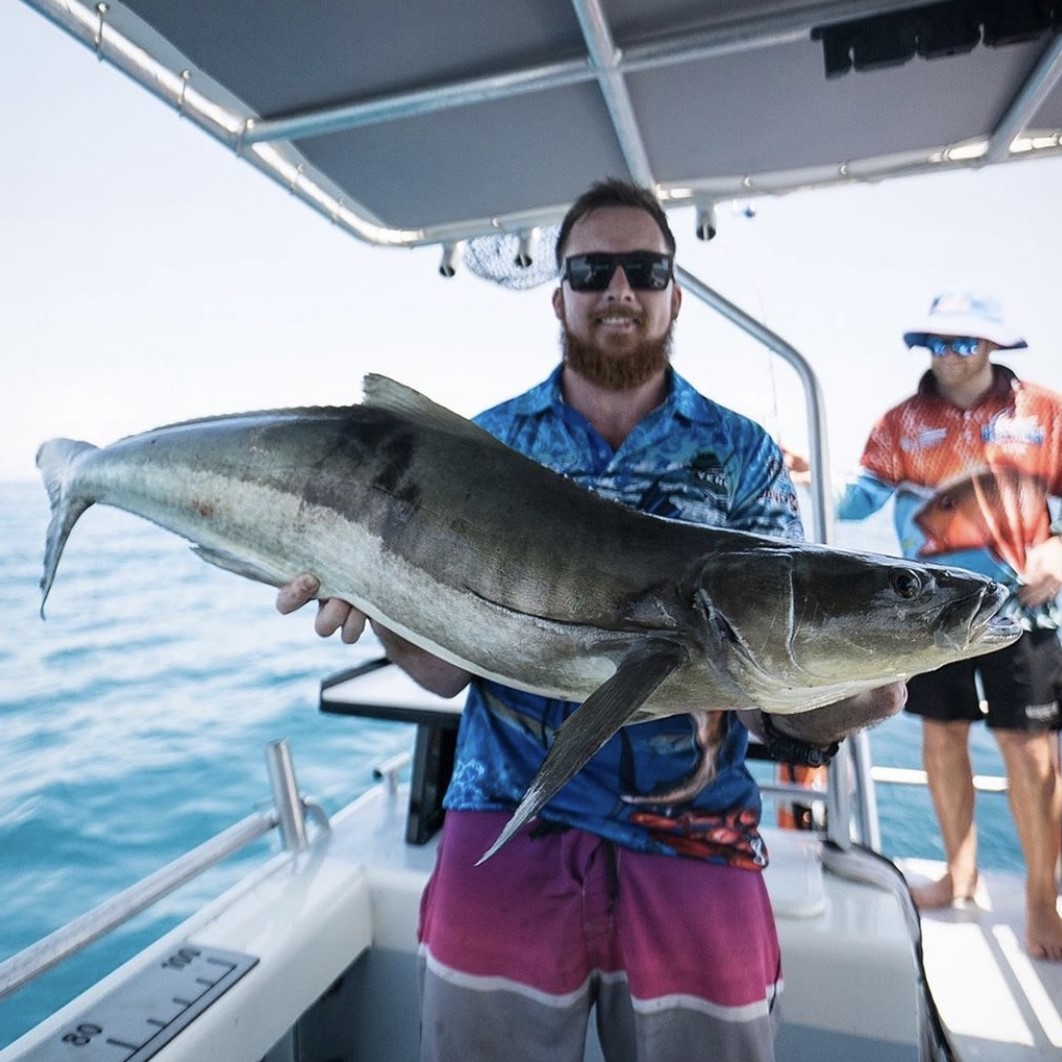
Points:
x=609 y=707
x=241 y=566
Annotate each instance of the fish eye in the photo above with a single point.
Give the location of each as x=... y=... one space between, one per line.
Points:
x=906 y=582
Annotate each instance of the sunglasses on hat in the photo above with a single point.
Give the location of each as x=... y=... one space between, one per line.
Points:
x=644 y=270
x=964 y=346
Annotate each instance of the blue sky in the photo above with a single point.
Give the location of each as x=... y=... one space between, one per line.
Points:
x=148 y=276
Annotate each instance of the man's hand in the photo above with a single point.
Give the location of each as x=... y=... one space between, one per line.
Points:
x=333 y=614
x=822 y=727
x=434 y=674
x=1042 y=578
x=798 y=467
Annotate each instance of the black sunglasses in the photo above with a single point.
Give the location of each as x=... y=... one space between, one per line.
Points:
x=644 y=270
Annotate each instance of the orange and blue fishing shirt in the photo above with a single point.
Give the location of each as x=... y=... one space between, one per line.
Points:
x=972 y=486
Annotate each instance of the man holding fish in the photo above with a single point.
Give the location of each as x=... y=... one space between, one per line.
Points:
x=638 y=888
x=972 y=459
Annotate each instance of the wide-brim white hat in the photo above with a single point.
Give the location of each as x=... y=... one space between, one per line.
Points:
x=963 y=314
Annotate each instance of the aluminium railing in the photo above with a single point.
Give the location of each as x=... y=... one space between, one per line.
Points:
x=289 y=814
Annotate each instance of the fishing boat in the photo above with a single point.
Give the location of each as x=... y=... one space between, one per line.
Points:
x=422 y=124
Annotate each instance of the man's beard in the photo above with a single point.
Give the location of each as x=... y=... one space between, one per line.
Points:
x=616 y=372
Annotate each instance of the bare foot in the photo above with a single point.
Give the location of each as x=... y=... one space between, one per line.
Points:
x=941 y=893
x=1043 y=933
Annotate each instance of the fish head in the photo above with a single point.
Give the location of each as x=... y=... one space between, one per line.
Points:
x=786 y=616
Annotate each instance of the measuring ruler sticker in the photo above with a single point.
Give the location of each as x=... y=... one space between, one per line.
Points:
x=141 y=1015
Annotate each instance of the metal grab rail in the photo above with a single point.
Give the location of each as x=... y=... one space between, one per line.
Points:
x=389 y=769
x=288 y=813
x=869 y=775
x=791 y=791
x=28 y=964
x=983 y=783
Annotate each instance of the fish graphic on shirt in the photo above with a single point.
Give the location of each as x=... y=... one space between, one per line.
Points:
x=998 y=508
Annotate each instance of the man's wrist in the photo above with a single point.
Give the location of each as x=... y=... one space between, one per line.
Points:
x=794 y=750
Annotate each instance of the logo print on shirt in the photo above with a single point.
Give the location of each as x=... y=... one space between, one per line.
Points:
x=707 y=469
x=924 y=440
x=1007 y=429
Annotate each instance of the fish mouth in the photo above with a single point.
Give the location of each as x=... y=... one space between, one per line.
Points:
x=976 y=615
x=997 y=631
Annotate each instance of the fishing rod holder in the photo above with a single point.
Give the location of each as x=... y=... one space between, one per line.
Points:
x=292 y=809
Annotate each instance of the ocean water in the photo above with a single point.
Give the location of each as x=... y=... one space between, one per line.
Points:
x=133 y=723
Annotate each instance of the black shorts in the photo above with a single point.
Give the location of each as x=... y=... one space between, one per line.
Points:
x=1021 y=686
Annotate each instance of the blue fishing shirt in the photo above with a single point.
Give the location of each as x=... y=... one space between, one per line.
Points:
x=692 y=460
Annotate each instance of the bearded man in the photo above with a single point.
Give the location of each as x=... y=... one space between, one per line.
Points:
x=637 y=893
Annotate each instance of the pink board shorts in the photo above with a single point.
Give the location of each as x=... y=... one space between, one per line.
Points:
x=677 y=958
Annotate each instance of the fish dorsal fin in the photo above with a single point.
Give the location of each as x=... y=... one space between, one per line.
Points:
x=381 y=392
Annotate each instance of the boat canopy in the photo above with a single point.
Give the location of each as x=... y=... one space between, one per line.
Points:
x=473 y=124
x=436 y=121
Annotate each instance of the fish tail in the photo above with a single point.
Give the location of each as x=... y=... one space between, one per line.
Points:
x=55 y=460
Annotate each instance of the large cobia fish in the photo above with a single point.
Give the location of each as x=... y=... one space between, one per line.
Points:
x=489 y=560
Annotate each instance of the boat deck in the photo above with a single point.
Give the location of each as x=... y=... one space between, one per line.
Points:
x=997 y=1003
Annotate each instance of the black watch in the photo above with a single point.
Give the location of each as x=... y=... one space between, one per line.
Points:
x=793 y=750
